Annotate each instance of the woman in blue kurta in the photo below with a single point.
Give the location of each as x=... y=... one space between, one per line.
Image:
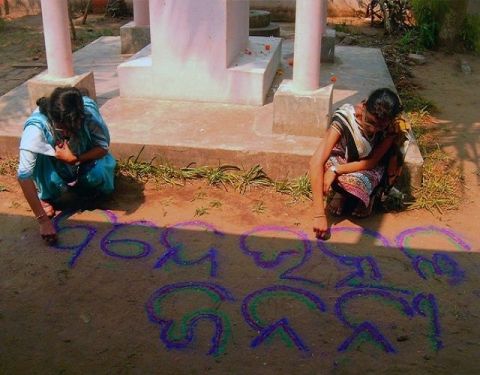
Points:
x=64 y=146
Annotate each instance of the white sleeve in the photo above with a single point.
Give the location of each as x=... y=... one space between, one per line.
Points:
x=33 y=140
x=26 y=164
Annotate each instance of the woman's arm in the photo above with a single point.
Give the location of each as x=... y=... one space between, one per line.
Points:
x=47 y=230
x=317 y=166
x=368 y=163
x=63 y=153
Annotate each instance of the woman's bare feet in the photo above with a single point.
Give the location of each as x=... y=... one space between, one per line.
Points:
x=48 y=208
x=337 y=204
x=361 y=211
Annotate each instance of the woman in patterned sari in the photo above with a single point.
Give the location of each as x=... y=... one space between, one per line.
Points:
x=359 y=149
x=64 y=147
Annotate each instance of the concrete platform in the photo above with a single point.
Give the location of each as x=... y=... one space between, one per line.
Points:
x=206 y=133
x=251 y=73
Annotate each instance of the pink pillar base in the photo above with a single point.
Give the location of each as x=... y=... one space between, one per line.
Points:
x=307 y=114
x=43 y=85
x=133 y=38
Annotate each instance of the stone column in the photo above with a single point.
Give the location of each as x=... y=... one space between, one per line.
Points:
x=57 y=38
x=58 y=48
x=307 y=47
x=141 y=14
x=135 y=35
x=301 y=106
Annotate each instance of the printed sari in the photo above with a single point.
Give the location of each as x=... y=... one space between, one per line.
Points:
x=353 y=146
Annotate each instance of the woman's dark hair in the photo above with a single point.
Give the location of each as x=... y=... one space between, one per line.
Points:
x=64 y=108
x=384 y=104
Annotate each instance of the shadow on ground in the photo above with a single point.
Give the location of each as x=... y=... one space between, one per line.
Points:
x=135 y=298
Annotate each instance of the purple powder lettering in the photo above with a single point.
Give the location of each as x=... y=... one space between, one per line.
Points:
x=283 y=324
x=107 y=243
x=367 y=326
x=77 y=250
x=215 y=292
x=173 y=252
x=431 y=311
x=257 y=254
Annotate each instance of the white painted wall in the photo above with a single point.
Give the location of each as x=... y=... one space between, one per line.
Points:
x=285 y=9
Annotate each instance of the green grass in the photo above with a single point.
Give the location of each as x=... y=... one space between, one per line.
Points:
x=255 y=176
x=413 y=102
x=226 y=176
x=86 y=35
x=441 y=189
x=342 y=27
x=409 y=42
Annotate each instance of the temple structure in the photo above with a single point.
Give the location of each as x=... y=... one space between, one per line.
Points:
x=201 y=51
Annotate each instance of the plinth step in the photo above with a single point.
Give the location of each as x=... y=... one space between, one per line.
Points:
x=259 y=18
x=271 y=30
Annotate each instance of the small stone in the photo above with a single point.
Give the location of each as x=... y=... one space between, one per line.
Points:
x=86 y=319
x=402 y=338
x=417 y=59
x=427 y=357
x=349 y=40
x=465 y=66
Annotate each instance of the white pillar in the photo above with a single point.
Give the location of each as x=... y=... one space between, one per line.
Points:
x=307 y=47
x=141 y=14
x=58 y=46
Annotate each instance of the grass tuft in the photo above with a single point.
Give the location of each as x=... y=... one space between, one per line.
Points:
x=255 y=176
x=442 y=184
x=259 y=207
x=8 y=166
x=201 y=211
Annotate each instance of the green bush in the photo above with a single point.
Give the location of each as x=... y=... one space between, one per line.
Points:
x=429 y=17
x=470 y=32
x=410 y=42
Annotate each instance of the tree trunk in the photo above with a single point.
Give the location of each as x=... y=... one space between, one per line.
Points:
x=85 y=13
x=386 y=16
x=70 y=18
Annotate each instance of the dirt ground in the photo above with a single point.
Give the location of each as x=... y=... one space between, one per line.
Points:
x=23 y=50
x=196 y=279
